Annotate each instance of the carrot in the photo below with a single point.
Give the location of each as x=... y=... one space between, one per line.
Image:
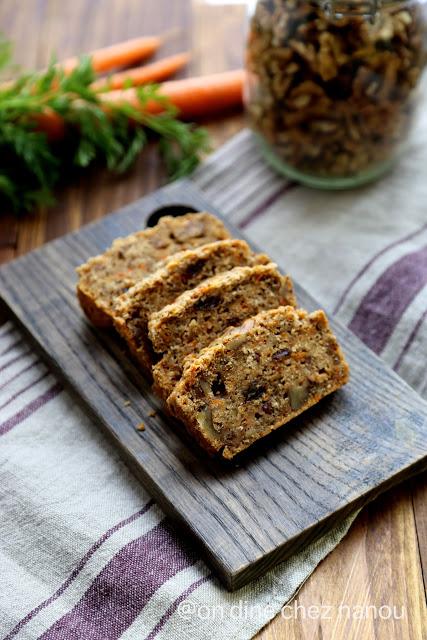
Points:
x=193 y=97
x=118 y=55
x=154 y=72
x=51 y=124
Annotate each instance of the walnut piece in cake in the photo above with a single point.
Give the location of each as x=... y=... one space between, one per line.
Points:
x=201 y=314
x=256 y=377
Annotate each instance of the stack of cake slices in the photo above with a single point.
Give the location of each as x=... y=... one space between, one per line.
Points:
x=216 y=327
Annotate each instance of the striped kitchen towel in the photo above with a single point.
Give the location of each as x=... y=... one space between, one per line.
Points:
x=84 y=552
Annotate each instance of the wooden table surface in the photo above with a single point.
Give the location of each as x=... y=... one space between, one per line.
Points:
x=383 y=560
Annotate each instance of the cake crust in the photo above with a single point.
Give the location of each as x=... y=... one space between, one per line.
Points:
x=182 y=271
x=201 y=314
x=103 y=278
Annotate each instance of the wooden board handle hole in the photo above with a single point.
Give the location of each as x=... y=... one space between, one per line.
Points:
x=174 y=210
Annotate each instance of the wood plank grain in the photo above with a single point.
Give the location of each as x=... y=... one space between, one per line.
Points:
x=8 y=237
x=334 y=458
x=419 y=496
x=369 y=587
x=215 y=50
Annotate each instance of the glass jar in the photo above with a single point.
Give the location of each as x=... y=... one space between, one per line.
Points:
x=332 y=86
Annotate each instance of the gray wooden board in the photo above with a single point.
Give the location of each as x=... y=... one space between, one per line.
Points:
x=283 y=493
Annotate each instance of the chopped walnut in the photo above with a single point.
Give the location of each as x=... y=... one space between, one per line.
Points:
x=334 y=97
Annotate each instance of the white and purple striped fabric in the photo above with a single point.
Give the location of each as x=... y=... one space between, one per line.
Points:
x=84 y=552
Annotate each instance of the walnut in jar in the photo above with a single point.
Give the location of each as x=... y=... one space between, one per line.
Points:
x=333 y=93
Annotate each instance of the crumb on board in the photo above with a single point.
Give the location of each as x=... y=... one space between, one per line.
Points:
x=140 y=426
x=152 y=413
x=126 y=403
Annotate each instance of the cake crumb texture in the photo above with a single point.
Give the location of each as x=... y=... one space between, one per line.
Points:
x=257 y=377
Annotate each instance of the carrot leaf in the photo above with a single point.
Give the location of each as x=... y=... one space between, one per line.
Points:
x=32 y=162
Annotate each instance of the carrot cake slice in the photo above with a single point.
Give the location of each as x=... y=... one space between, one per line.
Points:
x=183 y=271
x=201 y=314
x=256 y=377
x=103 y=278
